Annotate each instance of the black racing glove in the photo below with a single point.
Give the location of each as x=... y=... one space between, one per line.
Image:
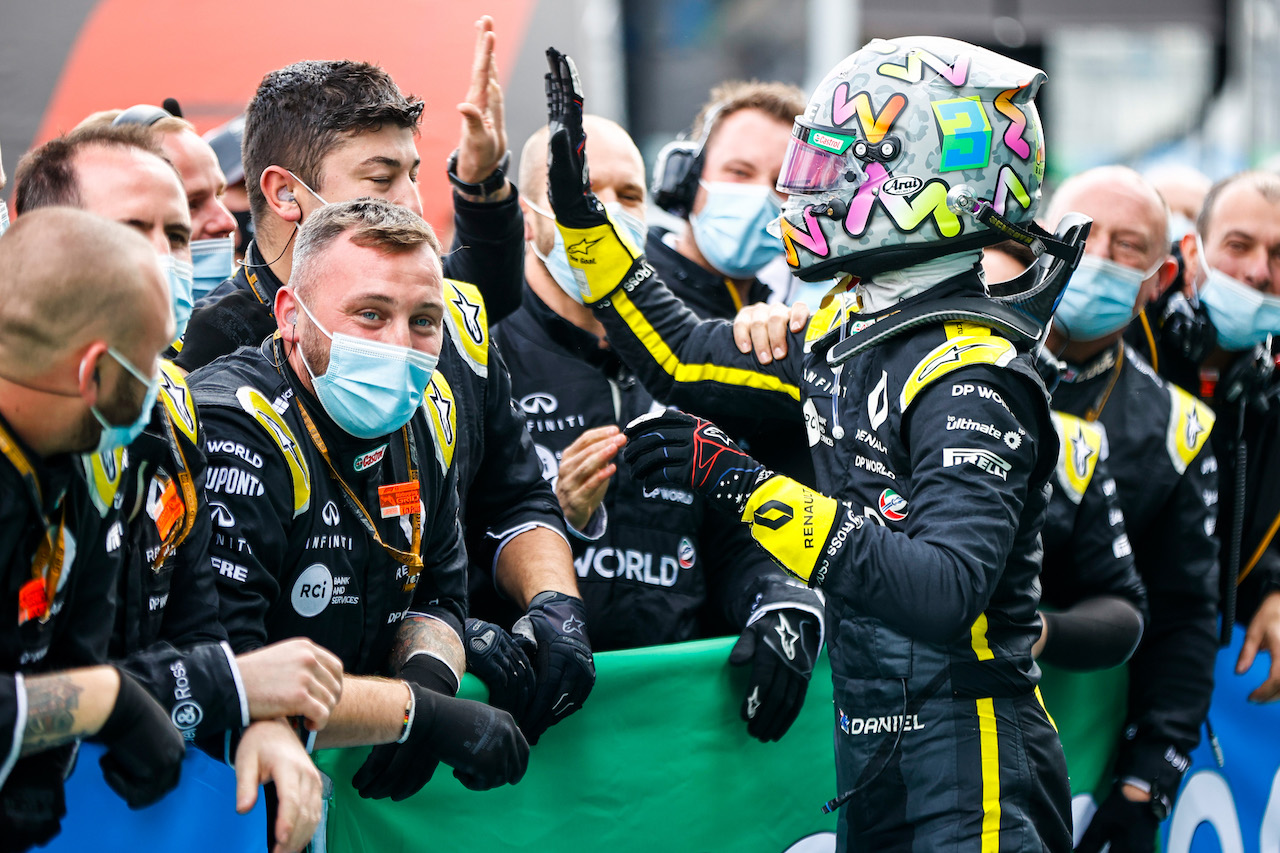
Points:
x=554 y=634
x=675 y=448
x=32 y=802
x=392 y=769
x=1128 y=826
x=781 y=646
x=481 y=743
x=144 y=749
x=601 y=254
x=495 y=658
x=223 y=327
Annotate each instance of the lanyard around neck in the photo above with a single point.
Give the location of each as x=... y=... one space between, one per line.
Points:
x=36 y=596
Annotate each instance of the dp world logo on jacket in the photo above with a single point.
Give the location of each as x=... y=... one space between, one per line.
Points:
x=633 y=565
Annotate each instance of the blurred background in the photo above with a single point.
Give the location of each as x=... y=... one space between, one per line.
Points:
x=1143 y=82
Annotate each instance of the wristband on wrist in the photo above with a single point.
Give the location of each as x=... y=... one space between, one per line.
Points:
x=410 y=710
x=484 y=189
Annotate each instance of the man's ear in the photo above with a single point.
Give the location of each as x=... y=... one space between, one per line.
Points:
x=90 y=378
x=286 y=309
x=528 y=215
x=277 y=188
x=1191 y=262
x=1164 y=277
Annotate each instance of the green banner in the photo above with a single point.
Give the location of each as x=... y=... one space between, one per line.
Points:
x=658 y=756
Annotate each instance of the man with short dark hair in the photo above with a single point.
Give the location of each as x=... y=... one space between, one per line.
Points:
x=86 y=315
x=331 y=448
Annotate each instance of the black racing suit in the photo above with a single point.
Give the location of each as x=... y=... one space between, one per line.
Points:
x=1087 y=557
x=929 y=558
x=55 y=543
x=293 y=553
x=662 y=569
x=1166 y=477
x=167 y=634
x=777 y=443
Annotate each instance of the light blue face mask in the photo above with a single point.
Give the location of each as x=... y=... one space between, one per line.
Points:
x=179 y=275
x=1099 y=299
x=371 y=389
x=4 y=217
x=113 y=436
x=1243 y=315
x=557 y=261
x=214 y=261
x=731 y=230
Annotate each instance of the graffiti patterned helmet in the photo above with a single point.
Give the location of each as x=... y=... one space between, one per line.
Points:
x=887 y=134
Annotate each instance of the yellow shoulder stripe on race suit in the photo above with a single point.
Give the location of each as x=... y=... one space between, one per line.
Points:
x=467 y=320
x=444 y=418
x=178 y=402
x=792 y=523
x=1190 y=422
x=1079 y=449
x=259 y=408
x=966 y=344
x=105 y=473
x=686 y=373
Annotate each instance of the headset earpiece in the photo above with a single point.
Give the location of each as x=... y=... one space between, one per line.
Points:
x=679 y=167
x=283 y=194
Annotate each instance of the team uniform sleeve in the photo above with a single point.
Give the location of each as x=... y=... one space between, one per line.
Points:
x=695 y=365
x=508 y=495
x=947 y=560
x=251 y=539
x=1101 y=554
x=488 y=251
x=1171 y=676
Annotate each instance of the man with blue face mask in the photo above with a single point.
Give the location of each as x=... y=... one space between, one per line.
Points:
x=1165 y=474
x=334 y=441
x=1224 y=352
x=654 y=565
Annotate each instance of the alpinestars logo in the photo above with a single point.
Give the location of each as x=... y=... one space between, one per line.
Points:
x=443 y=406
x=753 y=703
x=1194 y=428
x=951 y=356
x=1080 y=453
x=788 y=636
x=470 y=317
x=580 y=251
x=572 y=625
x=773 y=515
x=878 y=402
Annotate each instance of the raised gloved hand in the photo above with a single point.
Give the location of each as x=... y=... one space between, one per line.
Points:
x=144 y=750
x=601 y=254
x=675 y=448
x=1128 y=826
x=496 y=659
x=554 y=634
x=32 y=801
x=781 y=646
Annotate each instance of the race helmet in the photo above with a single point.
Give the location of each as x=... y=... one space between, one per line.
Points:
x=887 y=135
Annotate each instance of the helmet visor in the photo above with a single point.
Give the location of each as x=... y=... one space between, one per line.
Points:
x=817 y=160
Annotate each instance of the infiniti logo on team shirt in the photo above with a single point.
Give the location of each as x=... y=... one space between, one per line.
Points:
x=539 y=403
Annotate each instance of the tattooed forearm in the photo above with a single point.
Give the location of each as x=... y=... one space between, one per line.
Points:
x=52 y=701
x=417 y=634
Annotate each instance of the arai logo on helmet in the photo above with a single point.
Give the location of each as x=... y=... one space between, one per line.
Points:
x=893 y=506
x=904 y=185
x=686 y=554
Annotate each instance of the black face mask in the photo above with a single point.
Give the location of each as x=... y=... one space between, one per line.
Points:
x=244 y=226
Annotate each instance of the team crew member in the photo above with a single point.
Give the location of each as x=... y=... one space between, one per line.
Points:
x=721 y=183
x=1215 y=338
x=514 y=527
x=347 y=533
x=86 y=314
x=1093 y=602
x=653 y=566
x=969 y=759
x=167 y=632
x=1167 y=487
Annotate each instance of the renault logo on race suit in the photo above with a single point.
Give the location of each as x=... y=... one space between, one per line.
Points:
x=773 y=515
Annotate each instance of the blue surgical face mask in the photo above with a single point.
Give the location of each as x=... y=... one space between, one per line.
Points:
x=113 y=436
x=370 y=389
x=4 y=217
x=180 y=277
x=1099 y=299
x=731 y=230
x=214 y=262
x=557 y=261
x=1243 y=315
